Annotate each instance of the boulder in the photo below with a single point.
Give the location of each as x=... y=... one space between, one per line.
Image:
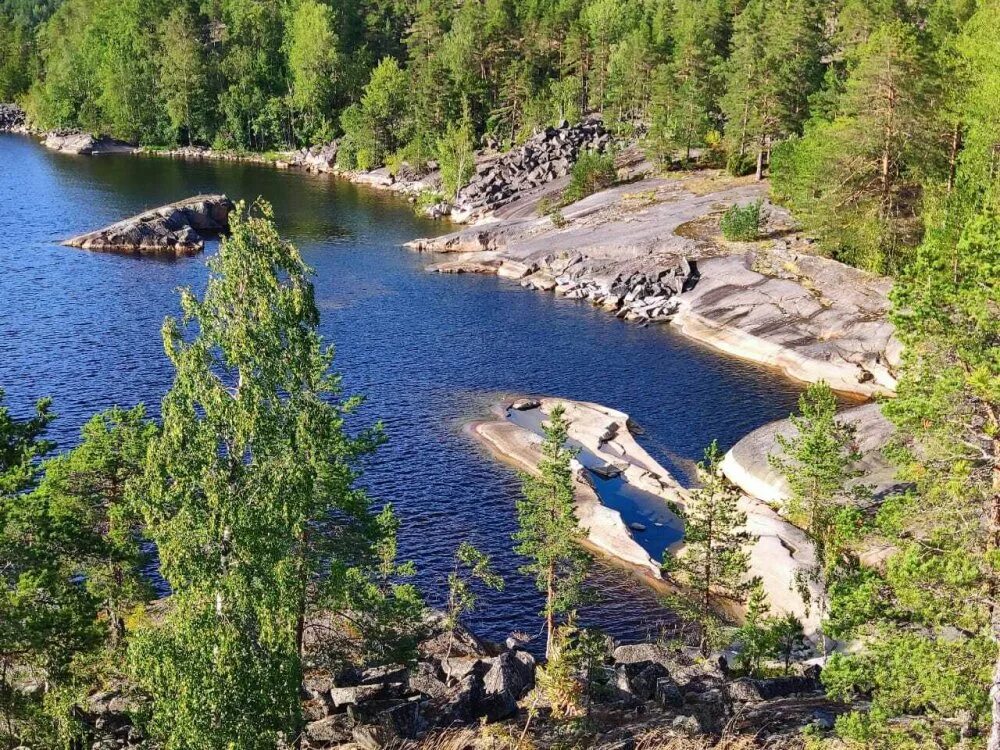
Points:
x=77 y=142
x=526 y=404
x=747 y=690
x=174 y=229
x=351 y=696
x=384 y=675
x=668 y=693
x=642 y=652
x=426 y=680
x=381 y=723
x=458 y=706
x=511 y=675
x=458 y=667
x=547 y=155
x=12 y=119
x=455 y=643
x=640 y=678
x=333 y=730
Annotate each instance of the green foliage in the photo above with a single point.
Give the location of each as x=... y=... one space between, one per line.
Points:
x=742 y=223
x=471 y=565
x=549 y=533
x=184 y=77
x=249 y=495
x=817 y=460
x=456 y=155
x=716 y=557
x=17 y=58
x=772 y=71
x=854 y=179
x=313 y=65
x=379 y=124
x=72 y=571
x=592 y=172
x=755 y=635
x=910 y=673
x=567 y=678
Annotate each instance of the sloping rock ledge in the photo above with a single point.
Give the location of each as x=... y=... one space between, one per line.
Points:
x=651 y=252
x=782 y=551
x=174 y=229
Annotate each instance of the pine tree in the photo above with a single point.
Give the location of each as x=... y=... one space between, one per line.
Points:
x=249 y=495
x=716 y=557
x=855 y=180
x=89 y=488
x=773 y=68
x=685 y=101
x=549 y=533
x=755 y=635
x=817 y=460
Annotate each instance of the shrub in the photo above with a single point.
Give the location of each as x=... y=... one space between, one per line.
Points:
x=456 y=153
x=739 y=165
x=742 y=223
x=592 y=172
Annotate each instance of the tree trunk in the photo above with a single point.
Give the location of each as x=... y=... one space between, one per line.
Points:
x=550 y=619
x=760 y=162
x=994 y=741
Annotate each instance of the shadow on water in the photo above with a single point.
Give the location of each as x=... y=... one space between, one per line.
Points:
x=423 y=348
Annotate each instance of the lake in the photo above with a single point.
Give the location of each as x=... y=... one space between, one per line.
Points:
x=429 y=351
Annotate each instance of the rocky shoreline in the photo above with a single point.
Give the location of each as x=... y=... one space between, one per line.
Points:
x=460 y=683
x=780 y=555
x=650 y=251
x=12 y=119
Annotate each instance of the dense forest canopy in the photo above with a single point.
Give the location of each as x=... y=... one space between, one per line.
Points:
x=860 y=105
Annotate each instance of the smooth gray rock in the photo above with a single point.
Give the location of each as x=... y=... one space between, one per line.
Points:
x=174 y=229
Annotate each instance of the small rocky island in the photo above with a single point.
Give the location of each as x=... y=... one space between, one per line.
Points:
x=176 y=229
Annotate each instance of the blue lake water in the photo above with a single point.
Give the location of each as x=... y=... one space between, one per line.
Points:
x=429 y=351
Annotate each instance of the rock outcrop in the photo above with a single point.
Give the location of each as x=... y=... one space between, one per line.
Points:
x=321 y=159
x=458 y=680
x=651 y=251
x=175 y=229
x=12 y=119
x=607 y=447
x=747 y=463
x=781 y=556
x=78 y=142
x=388 y=706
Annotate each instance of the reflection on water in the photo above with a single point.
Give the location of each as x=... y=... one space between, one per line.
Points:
x=429 y=351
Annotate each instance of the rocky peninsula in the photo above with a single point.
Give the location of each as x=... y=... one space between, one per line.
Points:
x=176 y=229
x=648 y=250
x=651 y=251
x=782 y=551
